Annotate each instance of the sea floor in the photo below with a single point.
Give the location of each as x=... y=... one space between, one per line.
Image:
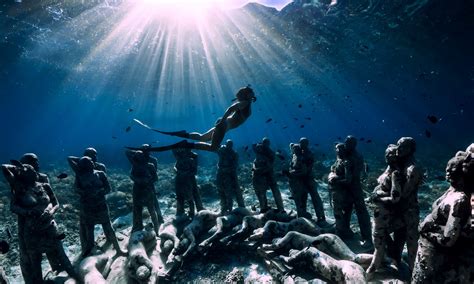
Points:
x=213 y=268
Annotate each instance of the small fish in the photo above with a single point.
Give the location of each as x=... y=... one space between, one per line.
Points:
x=114 y=137
x=316 y=144
x=339 y=138
x=130 y=109
x=128 y=129
x=307 y=118
x=295 y=118
x=300 y=106
x=62 y=176
x=302 y=126
x=433 y=119
x=369 y=141
x=361 y=139
x=428 y=133
x=246 y=148
x=285 y=127
x=268 y=120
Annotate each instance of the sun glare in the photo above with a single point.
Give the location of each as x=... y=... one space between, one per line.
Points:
x=181 y=10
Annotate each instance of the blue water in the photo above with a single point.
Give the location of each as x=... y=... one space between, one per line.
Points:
x=69 y=73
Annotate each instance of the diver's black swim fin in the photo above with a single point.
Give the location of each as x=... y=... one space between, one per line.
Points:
x=181 y=133
x=180 y=144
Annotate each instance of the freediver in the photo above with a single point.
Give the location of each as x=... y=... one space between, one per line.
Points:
x=211 y=140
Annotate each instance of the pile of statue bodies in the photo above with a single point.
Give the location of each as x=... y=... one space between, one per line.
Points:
x=284 y=240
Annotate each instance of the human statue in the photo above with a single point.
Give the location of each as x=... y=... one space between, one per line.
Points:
x=144 y=177
x=91 y=153
x=303 y=183
x=36 y=203
x=444 y=242
x=385 y=197
x=354 y=186
x=92 y=186
x=263 y=176
x=227 y=180
x=185 y=181
x=408 y=211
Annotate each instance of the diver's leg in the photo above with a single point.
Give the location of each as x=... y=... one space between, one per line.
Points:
x=193 y=135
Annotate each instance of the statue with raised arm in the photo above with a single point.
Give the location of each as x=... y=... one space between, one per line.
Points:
x=144 y=176
x=37 y=203
x=92 y=186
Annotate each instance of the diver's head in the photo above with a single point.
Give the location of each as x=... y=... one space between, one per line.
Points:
x=85 y=164
x=229 y=144
x=266 y=141
x=28 y=175
x=245 y=94
x=406 y=147
x=351 y=143
x=30 y=159
x=391 y=154
x=304 y=142
x=91 y=153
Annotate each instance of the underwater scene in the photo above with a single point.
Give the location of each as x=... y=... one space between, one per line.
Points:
x=234 y=141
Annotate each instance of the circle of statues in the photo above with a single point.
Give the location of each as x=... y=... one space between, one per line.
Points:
x=439 y=248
